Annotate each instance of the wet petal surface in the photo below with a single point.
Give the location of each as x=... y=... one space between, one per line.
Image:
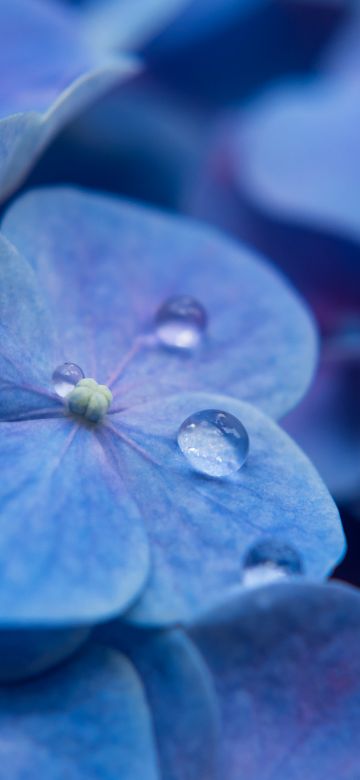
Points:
x=106 y=266
x=199 y=527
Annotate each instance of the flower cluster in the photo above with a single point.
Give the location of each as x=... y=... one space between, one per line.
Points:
x=164 y=543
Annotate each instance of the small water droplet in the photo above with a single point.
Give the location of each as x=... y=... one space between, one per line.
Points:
x=270 y=560
x=214 y=442
x=180 y=322
x=65 y=377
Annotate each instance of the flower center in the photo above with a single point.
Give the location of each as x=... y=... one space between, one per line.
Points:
x=89 y=399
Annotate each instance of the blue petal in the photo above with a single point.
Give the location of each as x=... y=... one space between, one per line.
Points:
x=106 y=266
x=86 y=720
x=181 y=698
x=283 y=165
x=200 y=528
x=72 y=546
x=287 y=670
x=28 y=346
x=53 y=72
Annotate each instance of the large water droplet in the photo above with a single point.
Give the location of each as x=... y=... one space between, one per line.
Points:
x=270 y=560
x=65 y=377
x=214 y=442
x=181 y=322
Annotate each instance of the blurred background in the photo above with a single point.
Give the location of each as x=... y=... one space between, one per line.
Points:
x=247 y=116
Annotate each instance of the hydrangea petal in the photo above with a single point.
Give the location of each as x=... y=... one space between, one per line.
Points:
x=53 y=73
x=287 y=671
x=28 y=345
x=115 y=263
x=282 y=163
x=200 y=528
x=87 y=719
x=72 y=546
x=181 y=698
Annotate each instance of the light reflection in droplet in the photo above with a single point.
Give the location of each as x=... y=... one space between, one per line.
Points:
x=65 y=377
x=214 y=442
x=181 y=322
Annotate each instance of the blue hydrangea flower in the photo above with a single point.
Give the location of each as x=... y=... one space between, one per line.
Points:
x=93 y=511
x=266 y=686
x=57 y=60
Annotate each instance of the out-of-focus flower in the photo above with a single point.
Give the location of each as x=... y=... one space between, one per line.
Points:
x=92 y=511
x=55 y=61
x=143 y=140
x=284 y=175
x=267 y=686
x=146 y=137
x=287 y=674
x=143 y=714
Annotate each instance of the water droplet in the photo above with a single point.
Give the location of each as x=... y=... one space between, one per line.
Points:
x=270 y=560
x=180 y=322
x=214 y=442
x=65 y=377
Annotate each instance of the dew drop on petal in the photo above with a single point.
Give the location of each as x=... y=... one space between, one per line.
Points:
x=214 y=442
x=270 y=560
x=65 y=377
x=180 y=322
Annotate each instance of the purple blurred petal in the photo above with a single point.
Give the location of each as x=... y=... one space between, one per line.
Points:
x=287 y=670
x=53 y=73
x=295 y=154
